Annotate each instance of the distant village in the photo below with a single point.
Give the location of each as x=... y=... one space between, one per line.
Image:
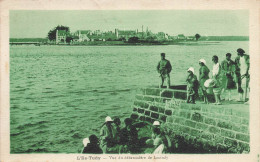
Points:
x=61 y=35
x=132 y=36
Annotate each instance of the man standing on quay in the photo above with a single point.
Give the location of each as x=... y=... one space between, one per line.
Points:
x=164 y=68
x=243 y=76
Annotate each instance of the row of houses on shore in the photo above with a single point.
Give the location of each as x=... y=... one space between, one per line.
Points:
x=97 y=35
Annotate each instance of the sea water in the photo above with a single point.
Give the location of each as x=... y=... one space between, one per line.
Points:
x=62 y=94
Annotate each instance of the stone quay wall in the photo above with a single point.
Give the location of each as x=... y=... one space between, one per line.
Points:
x=212 y=128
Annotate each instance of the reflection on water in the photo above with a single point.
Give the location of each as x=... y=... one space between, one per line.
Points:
x=61 y=94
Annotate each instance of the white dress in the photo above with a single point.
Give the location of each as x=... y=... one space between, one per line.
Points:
x=243 y=68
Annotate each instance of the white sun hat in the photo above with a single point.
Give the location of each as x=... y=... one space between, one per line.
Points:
x=108 y=118
x=85 y=141
x=156 y=123
x=191 y=69
x=202 y=60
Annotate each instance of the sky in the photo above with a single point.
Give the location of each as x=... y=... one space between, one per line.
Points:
x=37 y=24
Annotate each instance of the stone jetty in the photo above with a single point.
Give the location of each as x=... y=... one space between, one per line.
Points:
x=195 y=128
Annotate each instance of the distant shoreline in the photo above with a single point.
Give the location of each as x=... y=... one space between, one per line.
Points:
x=113 y=43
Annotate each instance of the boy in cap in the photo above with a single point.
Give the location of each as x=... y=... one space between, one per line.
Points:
x=107 y=135
x=192 y=86
x=164 y=68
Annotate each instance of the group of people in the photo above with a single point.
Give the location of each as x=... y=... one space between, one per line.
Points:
x=226 y=76
x=114 y=139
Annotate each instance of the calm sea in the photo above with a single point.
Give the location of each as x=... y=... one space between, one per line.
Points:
x=62 y=94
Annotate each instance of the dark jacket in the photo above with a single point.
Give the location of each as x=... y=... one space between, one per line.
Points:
x=228 y=67
x=92 y=149
x=164 y=67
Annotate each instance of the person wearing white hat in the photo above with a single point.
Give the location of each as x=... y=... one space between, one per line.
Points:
x=203 y=76
x=107 y=135
x=192 y=86
x=91 y=145
x=156 y=123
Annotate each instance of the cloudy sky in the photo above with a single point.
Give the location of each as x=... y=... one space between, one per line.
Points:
x=36 y=24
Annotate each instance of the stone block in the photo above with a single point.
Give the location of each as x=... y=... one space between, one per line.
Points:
x=222 y=117
x=155 y=115
x=163 y=118
x=148 y=119
x=217 y=110
x=161 y=110
x=230 y=142
x=220 y=110
x=139 y=97
x=214 y=130
x=170 y=119
x=206 y=136
x=152 y=91
x=142 y=118
x=196 y=107
x=235 y=119
x=184 y=106
x=210 y=121
x=167 y=94
x=180 y=95
x=242 y=137
x=164 y=100
x=185 y=129
x=228 y=111
x=179 y=120
x=158 y=99
x=236 y=127
x=147 y=113
x=185 y=114
x=219 y=139
x=244 y=146
x=153 y=108
x=141 y=104
x=195 y=132
x=134 y=116
x=175 y=128
x=190 y=123
x=140 y=110
x=245 y=115
x=142 y=91
x=197 y=117
x=245 y=121
x=135 y=109
x=224 y=124
x=148 y=98
x=244 y=129
x=175 y=112
x=236 y=113
x=227 y=133
x=168 y=112
x=205 y=109
x=201 y=126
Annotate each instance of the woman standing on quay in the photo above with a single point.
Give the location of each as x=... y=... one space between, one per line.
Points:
x=216 y=75
x=203 y=76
